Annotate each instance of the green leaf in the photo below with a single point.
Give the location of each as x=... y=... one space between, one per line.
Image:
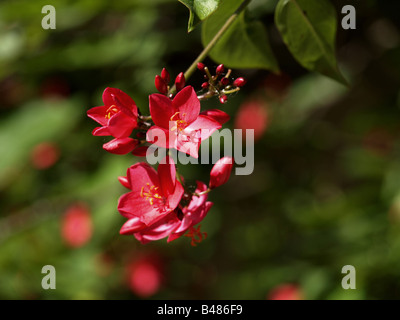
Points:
x=199 y=10
x=244 y=45
x=308 y=28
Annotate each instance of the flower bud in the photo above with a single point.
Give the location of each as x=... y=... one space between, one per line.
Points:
x=161 y=86
x=205 y=85
x=239 y=82
x=223 y=99
x=221 y=172
x=180 y=82
x=201 y=66
x=220 y=69
x=165 y=75
x=224 y=81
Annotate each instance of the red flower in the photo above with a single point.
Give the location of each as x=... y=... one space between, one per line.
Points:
x=221 y=172
x=286 y=292
x=44 y=155
x=145 y=275
x=253 y=114
x=175 y=224
x=154 y=194
x=178 y=123
x=118 y=118
x=77 y=225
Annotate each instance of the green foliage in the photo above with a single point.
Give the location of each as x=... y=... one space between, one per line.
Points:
x=199 y=10
x=309 y=29
x=244 y=45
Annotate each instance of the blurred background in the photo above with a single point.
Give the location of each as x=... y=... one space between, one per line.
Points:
x=325 y=191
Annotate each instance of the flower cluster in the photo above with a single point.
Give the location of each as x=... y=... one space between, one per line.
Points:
x=159 y=203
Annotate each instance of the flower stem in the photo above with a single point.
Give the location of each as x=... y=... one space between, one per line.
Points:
x=212 y=43
x=201 y=193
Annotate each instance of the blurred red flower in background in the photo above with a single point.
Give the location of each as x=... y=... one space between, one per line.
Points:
x=144 y=275
x=44 y=155
x=76 y=225
x=253 y=114
x=286 y=292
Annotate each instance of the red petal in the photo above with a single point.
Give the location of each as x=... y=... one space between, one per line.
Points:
x=140 y=174
x=159 y=230
x=187 y=103
x=98 y=114
x=120 y=145
x=131 y=226
x=101 y=131
x=140 y=151
x=161 y=110
x=120 y=125
x=207 y=125
x=175 y=198
x=217 y=115
x=167 y=175
x=161 y=137
x=132 y=205
x=113 y=96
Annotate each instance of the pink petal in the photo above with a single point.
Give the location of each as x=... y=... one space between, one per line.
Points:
x=188 y=104
x=159 y=230
x=131 y=226
x=174 y=199
x=132 y=205
x=207 y=126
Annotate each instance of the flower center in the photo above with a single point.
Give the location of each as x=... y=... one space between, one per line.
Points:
x=111 y=111
x=179 y=123
x=151 y=193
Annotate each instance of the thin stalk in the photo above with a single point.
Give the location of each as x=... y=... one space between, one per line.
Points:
x=212 y=43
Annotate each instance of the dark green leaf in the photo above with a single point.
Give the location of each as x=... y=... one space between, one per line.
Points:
x=309 y=30
x=199 y=10
x=243 y=45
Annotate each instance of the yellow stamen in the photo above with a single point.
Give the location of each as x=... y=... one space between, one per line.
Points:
x=111 y=111
x=151 y=194
x=179 y=123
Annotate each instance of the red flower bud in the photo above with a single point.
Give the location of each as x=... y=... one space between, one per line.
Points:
x=201 y=66
x=180 y=82
x=165 y=75
x=221 y=172
x=205 y=85
x=220 y=69
x=161 y=85
x=224 y=81
x=239 y=82
x=223 y=99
